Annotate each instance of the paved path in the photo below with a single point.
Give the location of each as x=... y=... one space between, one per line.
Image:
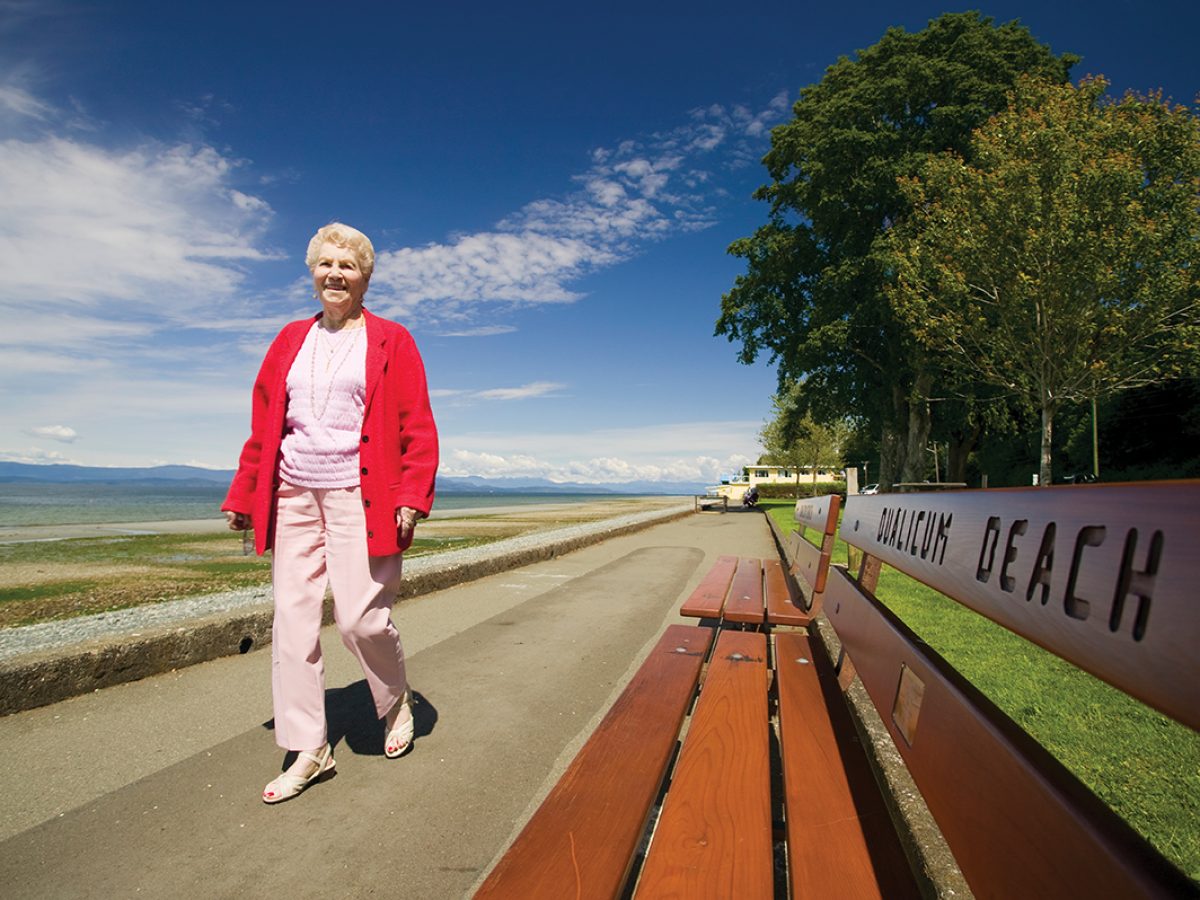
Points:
x=151 y=788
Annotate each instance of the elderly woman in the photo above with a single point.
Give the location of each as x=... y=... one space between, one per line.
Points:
x=338 y=469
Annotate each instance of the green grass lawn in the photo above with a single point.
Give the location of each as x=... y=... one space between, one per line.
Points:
x=1143 y=764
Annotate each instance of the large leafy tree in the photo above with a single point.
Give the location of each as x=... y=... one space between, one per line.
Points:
x=1062 y=262
x=813 y=293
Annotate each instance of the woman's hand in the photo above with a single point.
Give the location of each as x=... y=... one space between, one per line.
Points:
x=238 y=521
x=406 y=521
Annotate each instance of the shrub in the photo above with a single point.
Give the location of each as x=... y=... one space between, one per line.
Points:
x=806 y=489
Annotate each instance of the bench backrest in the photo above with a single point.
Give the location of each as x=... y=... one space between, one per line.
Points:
x=820 y=515
x=1102 y=576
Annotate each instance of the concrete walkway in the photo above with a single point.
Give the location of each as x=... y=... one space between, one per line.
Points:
x=151 y=788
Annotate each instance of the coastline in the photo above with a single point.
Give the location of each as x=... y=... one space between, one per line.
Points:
x=14 y=534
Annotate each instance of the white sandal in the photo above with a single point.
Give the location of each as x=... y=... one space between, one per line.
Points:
x=287 y=785
x=399 y=738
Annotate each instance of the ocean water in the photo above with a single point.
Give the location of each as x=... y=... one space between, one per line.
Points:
x=79 y=504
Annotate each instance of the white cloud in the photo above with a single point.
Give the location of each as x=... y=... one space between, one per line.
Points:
x=17 y=101
x=17 y=366
x=491 y=266
x=158 y=226
x=690 y=451
x=66 y=331
x=595 y=470
x=481 y=331
x=33 y=456
x=524 y=392
x=632 y=195
x=61 y=433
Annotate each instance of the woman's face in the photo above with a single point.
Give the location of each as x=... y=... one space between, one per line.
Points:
x=339 y=281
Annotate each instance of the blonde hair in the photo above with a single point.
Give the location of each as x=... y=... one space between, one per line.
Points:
x=342 y=236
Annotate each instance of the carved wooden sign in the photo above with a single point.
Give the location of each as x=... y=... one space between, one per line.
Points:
x=1105 y=576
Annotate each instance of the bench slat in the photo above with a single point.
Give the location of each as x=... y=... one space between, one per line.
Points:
x=811 y=564
x=1103 y=576
x=997 y=795
x=841 y=841
x=582 y=839
x=819 y=513
x=714 y=836
x=745 y=601
x=783 y=607
x=709 y=597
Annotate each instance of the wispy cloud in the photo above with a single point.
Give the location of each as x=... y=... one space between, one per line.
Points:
x=60 y=433
x=158 y=226
x=67 y=331
x=631 y=195
x=523 y=392
x=481 y=331
x=16 y=101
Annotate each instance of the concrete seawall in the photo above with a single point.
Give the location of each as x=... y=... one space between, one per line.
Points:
x=49 y=662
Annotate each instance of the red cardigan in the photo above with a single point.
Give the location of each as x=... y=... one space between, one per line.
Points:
x=398 y=455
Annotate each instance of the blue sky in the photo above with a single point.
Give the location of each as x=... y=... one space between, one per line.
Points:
x=550 y=190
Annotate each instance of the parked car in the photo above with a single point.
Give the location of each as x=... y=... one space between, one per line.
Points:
x=870 y=489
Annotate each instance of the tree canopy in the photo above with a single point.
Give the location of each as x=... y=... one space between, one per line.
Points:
x=1059 y=260
x=813 y=293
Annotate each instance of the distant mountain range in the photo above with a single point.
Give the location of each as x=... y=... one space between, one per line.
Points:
x=476 y=485
x=24 y=473
x=21 y=473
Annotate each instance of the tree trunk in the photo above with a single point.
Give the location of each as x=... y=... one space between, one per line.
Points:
x=960 y=446
x=920 y=420
x=1044 y=471
x=892 y=446
x=891 y=456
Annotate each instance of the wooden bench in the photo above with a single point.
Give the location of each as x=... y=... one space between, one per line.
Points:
x=771 y=775
x=758 y=592
x=704 y=501
x=1102 y=576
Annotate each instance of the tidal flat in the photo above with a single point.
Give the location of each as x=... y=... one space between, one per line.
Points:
x=56 y=572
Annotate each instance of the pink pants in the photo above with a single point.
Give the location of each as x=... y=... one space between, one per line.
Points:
x=321 y=538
